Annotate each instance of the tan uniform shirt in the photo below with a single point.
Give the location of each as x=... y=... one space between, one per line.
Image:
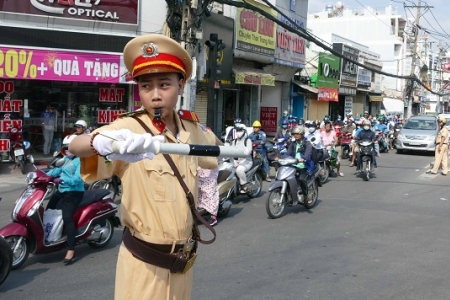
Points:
x=154 y=206
x=442 y=133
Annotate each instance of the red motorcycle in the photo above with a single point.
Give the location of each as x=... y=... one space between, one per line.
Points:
x=19 y=149
x=345 y=141
x=337 y=129
x=95 y=219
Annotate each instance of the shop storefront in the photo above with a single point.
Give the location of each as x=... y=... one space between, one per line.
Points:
x=79 y=85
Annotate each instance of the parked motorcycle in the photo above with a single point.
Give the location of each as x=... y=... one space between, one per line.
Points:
x=19 y=149
x=286 y=188
x=95 y=219
x=345 y=142
x=6 y=258
x=366 y=150
x=226 y=184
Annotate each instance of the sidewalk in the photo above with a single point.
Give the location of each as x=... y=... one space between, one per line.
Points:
x=8 y=169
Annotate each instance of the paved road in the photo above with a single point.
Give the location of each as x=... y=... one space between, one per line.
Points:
x=383 y=239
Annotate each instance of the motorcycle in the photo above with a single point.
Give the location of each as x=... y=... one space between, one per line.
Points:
x=325 y=165
x=286 y=188
x=337 y=128
x=6 y=258
x=345 y=142
x=19 y=149
x=382 y=141
x=95 y=219
x=226 y=184
x=366 y=150
x=276 y=149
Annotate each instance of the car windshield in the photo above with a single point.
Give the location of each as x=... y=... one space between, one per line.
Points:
x=419 y=124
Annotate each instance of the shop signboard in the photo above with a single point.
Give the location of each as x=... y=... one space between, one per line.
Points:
x=364 y=77
x=125 y=12
x=254 y=32
x=328 y=71
x=59 y=65
x=290 y=48
x=8 y=107
x=111 y=94
x=348 y=105
x=327 y=94
x=349 y=71
x=254 y=78
x=106 y=116
x=268 y=117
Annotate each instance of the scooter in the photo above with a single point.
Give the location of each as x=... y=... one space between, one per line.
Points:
x=19 y=149
x=382 y=141
x=6 y=258
x=226 y=184
x=366 y=151
x=345 y=142
x=95 y=219
x=287 y=191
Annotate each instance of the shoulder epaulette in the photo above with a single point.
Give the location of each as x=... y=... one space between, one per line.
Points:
x=188 y=115
x=132 y=113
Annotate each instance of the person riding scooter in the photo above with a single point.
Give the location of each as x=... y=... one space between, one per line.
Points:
x=365 y=135
x=69 y=195
x=315 y=138
x=302 y=149
x=242 y=165
x=259 y=137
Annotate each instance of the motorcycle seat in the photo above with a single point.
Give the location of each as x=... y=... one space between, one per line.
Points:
x=92 y=196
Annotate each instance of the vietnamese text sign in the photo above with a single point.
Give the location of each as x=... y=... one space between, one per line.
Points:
x=290 y=48
x=349 y=71
x=327 y=94
x=364 y=77
x=328 y=71
x=255 y=33
x=18 y=63
x=106 y=116
x=348 y=105
x=254 y=78
x=268 y=117
x=94 y=10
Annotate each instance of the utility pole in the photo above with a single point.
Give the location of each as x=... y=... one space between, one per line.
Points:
x=410 y=83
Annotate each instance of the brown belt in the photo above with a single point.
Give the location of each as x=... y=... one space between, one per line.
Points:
x=159 y=255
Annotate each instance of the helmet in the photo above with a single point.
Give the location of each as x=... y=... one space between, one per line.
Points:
x=311 y=124
x=256 y=124
x=81 y=123
x=285 y=113
x=350 y=114
x=366 y=122
x=237 y=121
x=326 y=118
x=298 y=130
x=443 y=120
x=67 y=140
x=301 y=122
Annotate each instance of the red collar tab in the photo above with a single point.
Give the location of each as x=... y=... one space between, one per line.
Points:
x=157 y=121
x=188 y=115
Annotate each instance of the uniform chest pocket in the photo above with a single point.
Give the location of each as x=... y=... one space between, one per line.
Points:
x=163 y=185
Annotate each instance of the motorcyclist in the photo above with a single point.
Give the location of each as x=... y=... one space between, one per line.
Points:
x=302 y=150
x=339 y=120
x=325 y=119
x=232 y=133
x=81 y=127
x=259 y=137
x=315 y=138
x=242 y=165
x=348 y=127
x=292 y=122
x=354 y=145
x=283 y=132
x=283 y=117
x=365 y=135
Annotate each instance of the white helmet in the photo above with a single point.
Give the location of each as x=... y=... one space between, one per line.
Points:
x=298 y=130
x=67 y=140
x=81 y=123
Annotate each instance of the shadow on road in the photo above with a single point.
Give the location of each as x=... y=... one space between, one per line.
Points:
x=21 y=277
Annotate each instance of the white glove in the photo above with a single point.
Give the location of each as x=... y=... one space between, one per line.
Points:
x=133 y=142
x=236 y=163
x=130 y=157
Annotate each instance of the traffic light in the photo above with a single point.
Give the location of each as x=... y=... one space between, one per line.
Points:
x=215 y=55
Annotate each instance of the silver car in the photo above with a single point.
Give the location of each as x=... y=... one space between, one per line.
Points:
x=419 y=134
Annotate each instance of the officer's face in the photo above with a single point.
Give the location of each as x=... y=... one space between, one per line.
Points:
x=160 y=90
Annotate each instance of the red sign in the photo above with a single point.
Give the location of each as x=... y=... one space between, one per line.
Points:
x=111 y=95
x=4 y=145
x=328 y=94
x=106 y=116
x=268 y=118
x=116 y=11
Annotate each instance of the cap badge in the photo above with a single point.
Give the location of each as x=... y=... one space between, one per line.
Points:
x=149 y=50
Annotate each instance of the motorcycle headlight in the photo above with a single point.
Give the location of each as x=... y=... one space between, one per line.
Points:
x=30 y=177
x=20 y=202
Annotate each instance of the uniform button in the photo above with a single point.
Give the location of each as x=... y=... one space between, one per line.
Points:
x=160 y=169
x=183 y=176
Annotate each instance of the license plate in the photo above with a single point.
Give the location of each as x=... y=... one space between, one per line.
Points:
x=18 y=152
x=414 y=143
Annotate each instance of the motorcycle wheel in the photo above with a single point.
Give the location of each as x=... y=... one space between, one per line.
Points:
x=22 y=166
x=274 y=207
x=104 y=184
x=223 y=212
x=257 y=182
x=345 y=153
x=6 y=258
x=313 y=190
x=366 y=171
x=22 y=252
x=104 y=241
x=326 y=173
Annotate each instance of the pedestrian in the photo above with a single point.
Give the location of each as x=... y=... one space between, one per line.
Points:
x=48 y=127
x=160 y=236
x=259 y=137
x=68 y=196
x=441 y=152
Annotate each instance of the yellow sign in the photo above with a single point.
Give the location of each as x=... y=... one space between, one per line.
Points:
x=254 y=79
x=254 y=32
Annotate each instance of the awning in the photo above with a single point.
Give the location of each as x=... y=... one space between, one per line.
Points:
x=305 y=86
x=376 y=98
x=247 y=75
x=392 y=105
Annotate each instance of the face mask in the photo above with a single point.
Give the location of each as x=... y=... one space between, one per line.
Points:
x=366 y=127
x=311 y=129
x=240 y=134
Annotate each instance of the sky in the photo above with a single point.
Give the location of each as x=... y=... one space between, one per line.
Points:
x=439 y=10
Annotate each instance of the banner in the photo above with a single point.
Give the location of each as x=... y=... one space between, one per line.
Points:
x=328 y=94
x=328 y=71
x=93 y=10
x=59 y=65
x=268 y=118
x=255 y=79
x=255 y=33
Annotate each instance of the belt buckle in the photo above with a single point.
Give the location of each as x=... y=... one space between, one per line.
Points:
x=188 y=247
x=189 y=263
